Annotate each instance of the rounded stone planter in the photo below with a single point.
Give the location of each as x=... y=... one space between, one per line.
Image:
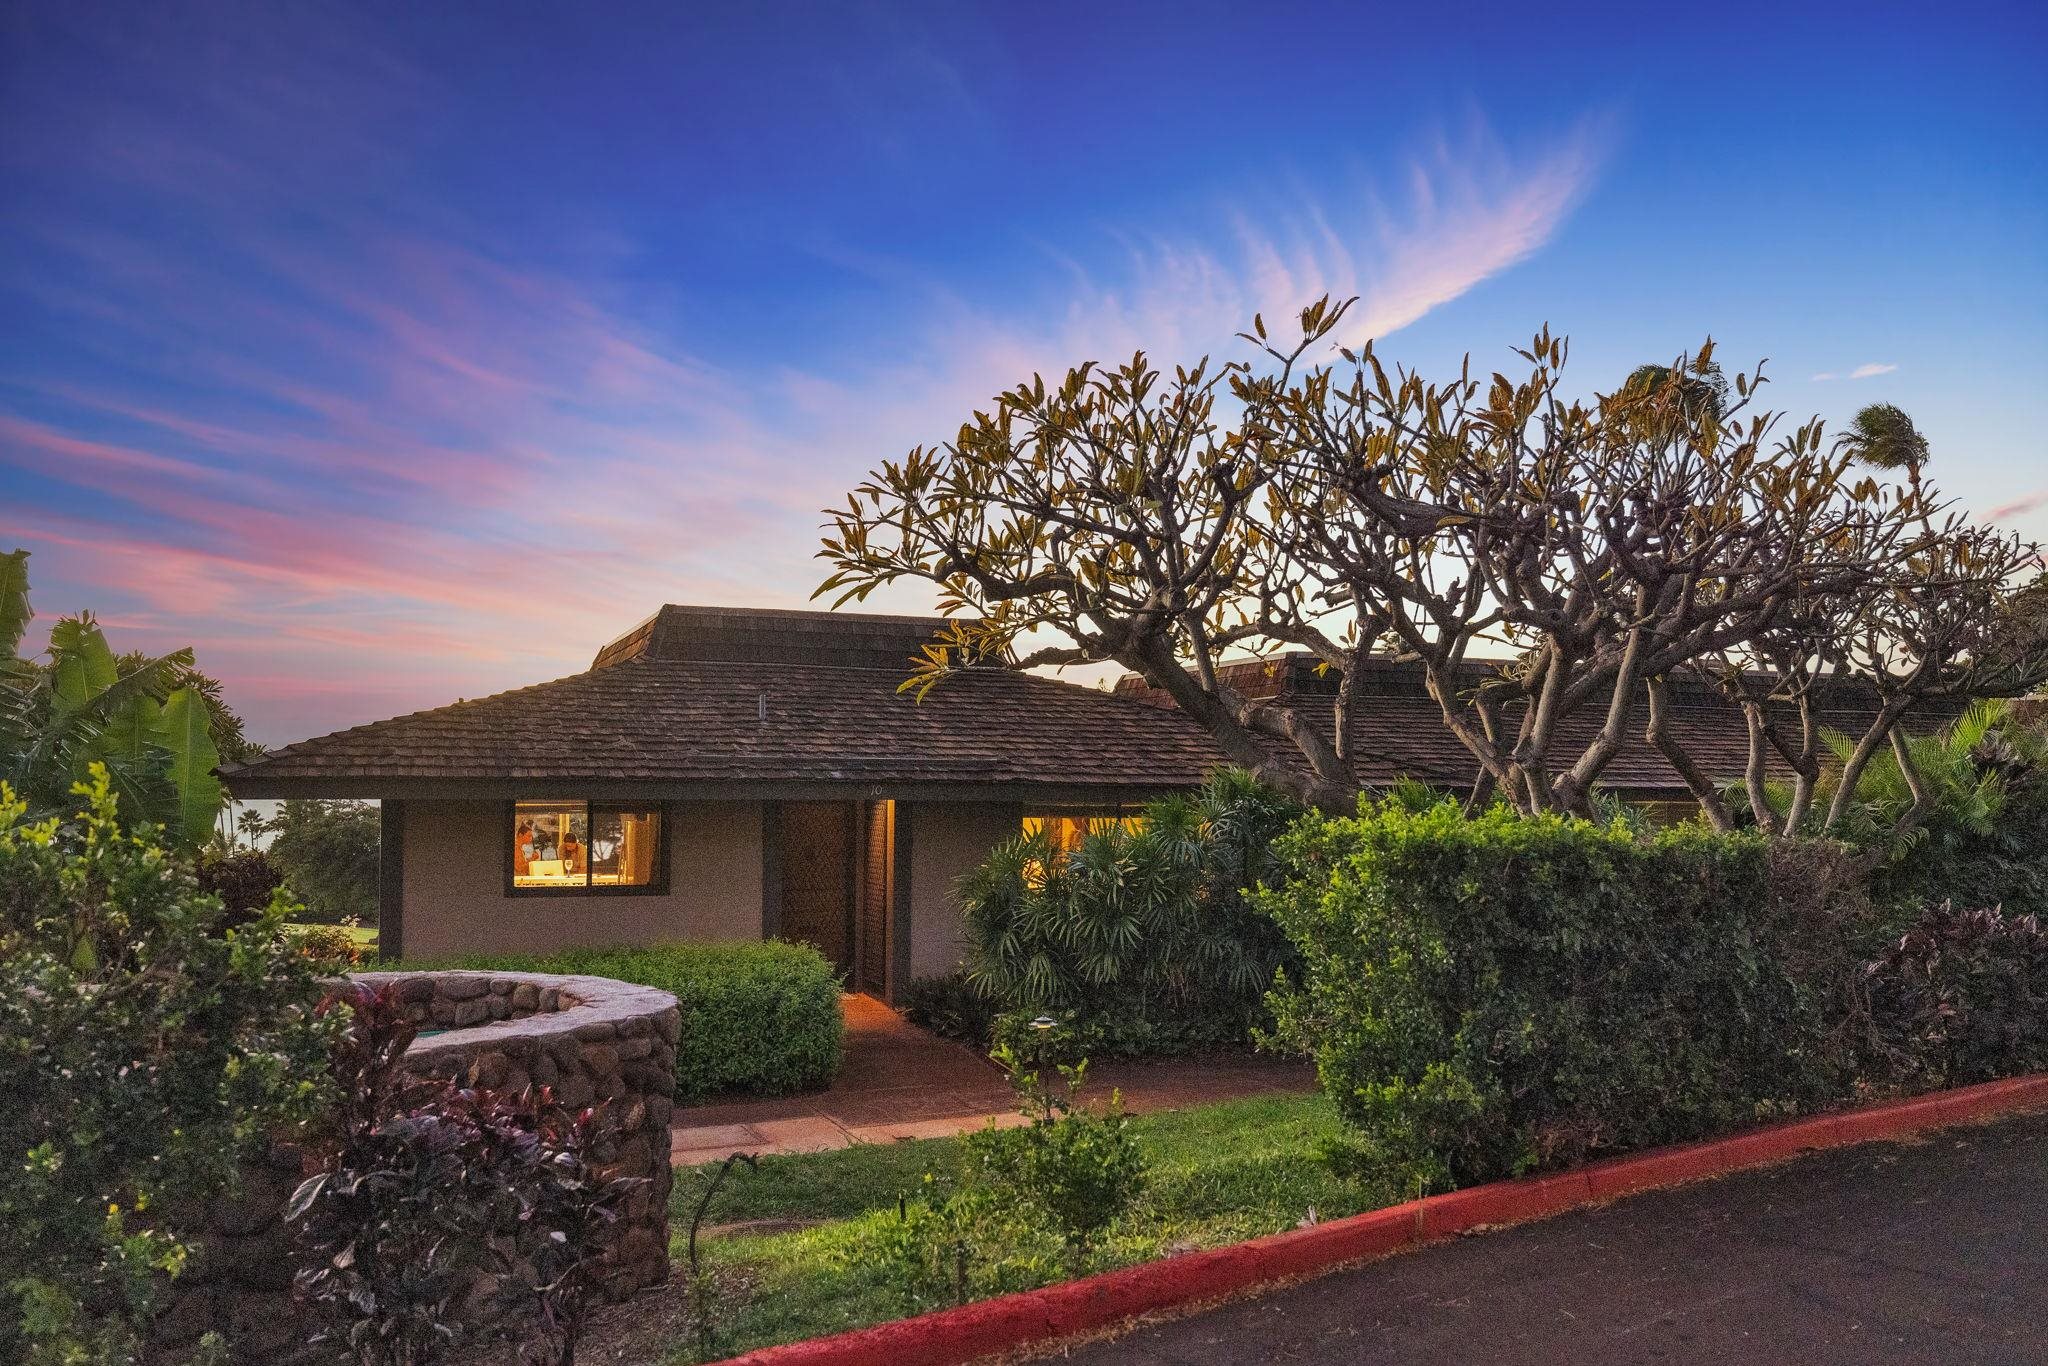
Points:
x=590 y=1039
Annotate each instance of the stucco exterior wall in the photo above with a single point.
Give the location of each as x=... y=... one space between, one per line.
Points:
x=948 y=840
x=454 y=879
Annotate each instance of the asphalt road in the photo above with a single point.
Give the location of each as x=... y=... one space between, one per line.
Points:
x=1929 y=1252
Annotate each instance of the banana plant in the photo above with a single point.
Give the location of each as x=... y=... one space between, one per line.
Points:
x=81 y=706
x=15 y=672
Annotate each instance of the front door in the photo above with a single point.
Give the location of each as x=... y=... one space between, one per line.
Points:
x=877 y=898
x=818 y=866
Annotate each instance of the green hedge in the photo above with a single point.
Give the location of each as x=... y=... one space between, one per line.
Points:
x=1495 y=994
x=762 y=1019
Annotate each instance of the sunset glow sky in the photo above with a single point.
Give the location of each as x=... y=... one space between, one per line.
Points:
x=391 y=355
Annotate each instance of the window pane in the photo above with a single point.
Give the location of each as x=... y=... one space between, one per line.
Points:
x=1065 y=830
x=550 y=844
x=622 y=847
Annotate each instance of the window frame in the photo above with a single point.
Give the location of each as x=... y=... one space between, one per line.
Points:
x=508 y=825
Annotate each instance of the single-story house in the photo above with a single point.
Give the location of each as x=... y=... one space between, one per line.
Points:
x=727 y=773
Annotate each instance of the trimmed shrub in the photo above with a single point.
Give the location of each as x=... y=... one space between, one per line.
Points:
x=243 y=879
x=332 y=947
x=1488 y=995
x=762 y=1019
x=1962 y=997
x=1146 y=934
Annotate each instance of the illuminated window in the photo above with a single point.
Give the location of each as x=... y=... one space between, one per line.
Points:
x=585 y=847
x=1067 y=829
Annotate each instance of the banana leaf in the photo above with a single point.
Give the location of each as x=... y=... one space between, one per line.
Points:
x=183 y=731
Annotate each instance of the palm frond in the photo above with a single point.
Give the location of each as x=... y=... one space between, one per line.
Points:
x=1882 y=435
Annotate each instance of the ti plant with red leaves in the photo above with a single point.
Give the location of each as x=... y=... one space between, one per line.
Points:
x=449 y=1216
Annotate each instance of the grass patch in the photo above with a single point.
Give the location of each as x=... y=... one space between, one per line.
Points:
x=1219 y=1174
x=835 y=1185
x=363 y=937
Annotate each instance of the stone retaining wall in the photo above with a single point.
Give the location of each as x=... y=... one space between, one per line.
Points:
x=591 y=1039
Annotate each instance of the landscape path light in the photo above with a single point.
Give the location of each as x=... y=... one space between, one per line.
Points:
x=1043 y=1027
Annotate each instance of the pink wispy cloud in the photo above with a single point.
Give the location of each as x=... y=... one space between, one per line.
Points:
x=2018 y=507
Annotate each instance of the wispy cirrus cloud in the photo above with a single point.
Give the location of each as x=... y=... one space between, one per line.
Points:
x=1869 y=370
x=1461 y=210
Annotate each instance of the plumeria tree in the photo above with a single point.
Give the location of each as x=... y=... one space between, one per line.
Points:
x=1535 y=554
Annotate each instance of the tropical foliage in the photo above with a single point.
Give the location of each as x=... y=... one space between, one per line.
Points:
x=1977 y=794
x=1884 y=436
x=148 y=1039
x=149 y=723
x=952 y=1007
x=1141 y=926
x=327 y=853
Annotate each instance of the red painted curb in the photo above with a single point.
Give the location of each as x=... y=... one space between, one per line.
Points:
x=1614 y=1177
x=949 y=1337
x=1503 y=1202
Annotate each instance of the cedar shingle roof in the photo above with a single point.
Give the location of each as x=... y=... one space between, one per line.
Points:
x=687 y=722
x=1398 y=732
x=723 y=701
x=1405 y=737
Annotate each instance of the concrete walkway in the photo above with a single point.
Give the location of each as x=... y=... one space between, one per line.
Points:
x=1933 y=1251
x=897 y=1082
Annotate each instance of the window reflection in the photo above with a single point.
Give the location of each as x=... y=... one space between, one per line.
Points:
x=622 y=848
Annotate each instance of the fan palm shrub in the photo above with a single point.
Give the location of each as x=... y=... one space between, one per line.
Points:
x=1982 y=840
x=1145 y=933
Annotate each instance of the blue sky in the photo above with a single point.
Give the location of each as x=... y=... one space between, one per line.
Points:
x=389 y=355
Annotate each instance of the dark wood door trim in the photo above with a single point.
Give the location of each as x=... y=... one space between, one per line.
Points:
x=901 y=830
x=878 y=876
x=391 y=880
x=771 y=869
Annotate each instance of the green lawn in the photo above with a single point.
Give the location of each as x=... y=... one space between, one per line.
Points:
x=1218 y=1174
x=365 y=937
